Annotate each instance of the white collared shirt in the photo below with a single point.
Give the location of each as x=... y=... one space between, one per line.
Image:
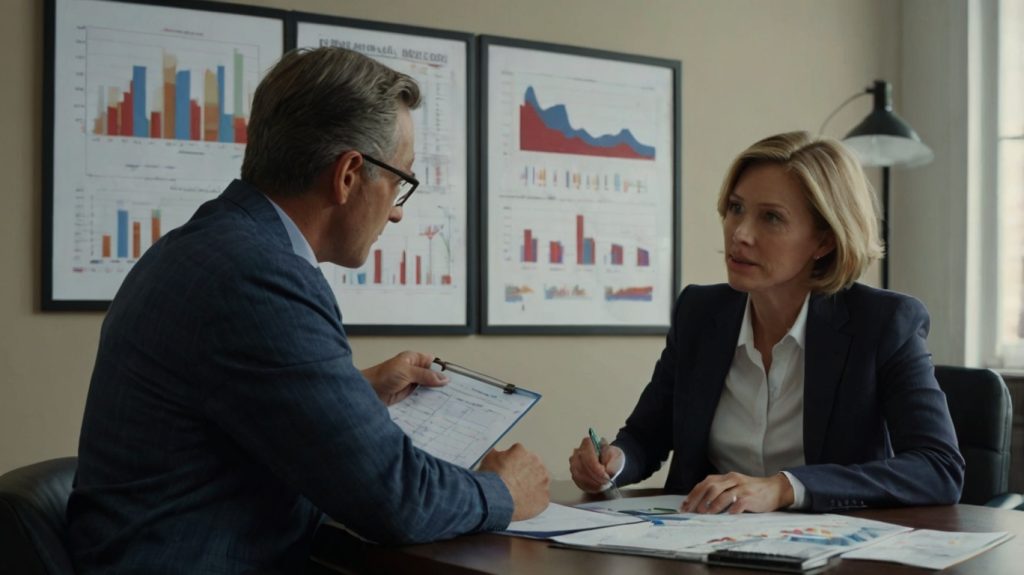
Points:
x=758 y=425
x=300 y=245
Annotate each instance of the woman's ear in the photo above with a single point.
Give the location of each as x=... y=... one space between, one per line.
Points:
x=827 y=246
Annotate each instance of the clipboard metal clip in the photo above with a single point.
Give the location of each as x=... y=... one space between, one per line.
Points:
x=455 y=368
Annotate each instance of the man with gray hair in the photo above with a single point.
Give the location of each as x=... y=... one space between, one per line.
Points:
x=225 y=416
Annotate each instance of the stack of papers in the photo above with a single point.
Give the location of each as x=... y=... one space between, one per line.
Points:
x=790 y=542
x=811 y=539
x=931 y=549
x=559 y=520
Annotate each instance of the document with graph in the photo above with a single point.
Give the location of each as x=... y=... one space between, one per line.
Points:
x=461 y=421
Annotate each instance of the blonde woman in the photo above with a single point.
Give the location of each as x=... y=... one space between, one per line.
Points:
x=793 y=386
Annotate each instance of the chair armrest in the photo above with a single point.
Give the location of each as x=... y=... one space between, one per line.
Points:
x=1006 y=501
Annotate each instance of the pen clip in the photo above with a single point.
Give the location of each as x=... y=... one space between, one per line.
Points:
x=455 y=368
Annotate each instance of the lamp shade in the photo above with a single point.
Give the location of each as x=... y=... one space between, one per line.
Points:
x=883 y=138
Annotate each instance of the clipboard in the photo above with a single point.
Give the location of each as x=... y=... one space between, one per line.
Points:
x=460 y=422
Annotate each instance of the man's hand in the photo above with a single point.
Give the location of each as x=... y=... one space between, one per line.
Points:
x=397 y=377
x=736 y=493
x=525 y=477
x=589 y=474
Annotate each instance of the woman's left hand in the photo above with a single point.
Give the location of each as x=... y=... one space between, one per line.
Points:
x=736 y=493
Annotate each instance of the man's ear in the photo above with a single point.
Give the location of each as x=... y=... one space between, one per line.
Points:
x=347 y=176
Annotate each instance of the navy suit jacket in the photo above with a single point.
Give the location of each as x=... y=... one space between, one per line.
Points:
x=225 y=415
x=877 y=430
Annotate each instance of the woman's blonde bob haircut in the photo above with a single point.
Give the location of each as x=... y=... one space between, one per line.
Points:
x=836 y=190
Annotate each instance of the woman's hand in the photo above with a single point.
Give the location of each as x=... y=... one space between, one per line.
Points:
x=736 y=493
x=591 y=475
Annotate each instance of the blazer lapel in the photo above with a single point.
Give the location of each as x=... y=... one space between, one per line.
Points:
x=718 y=347
x=825 y=361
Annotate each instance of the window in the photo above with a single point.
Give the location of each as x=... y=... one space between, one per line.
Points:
x=1010 y=250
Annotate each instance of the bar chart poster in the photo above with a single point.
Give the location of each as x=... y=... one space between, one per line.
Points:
x=582 y=188
x=150 y=108
x=416 y=277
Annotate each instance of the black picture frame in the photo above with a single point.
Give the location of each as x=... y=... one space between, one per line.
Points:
x=405 y=306
x=570 y=304
x=74 y=276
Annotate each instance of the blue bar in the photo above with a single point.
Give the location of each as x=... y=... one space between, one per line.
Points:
x=122 y=233
x=361 y=278
x=226 y=131
x=140 y=127
x=182 y=110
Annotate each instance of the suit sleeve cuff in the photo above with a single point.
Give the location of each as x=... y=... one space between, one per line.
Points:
x=799 y=492
x=498 y=505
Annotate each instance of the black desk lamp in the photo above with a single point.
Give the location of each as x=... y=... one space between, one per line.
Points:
x=884 y=140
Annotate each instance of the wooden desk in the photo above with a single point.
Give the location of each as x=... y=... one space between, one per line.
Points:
x=497 y=554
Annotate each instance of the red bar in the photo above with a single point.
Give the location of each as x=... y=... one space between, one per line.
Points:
x=528 y=255
x=126 y=115
x=616 y=255
x=446 y=280
x=113 y=115
x=401 y=270
x=154 y=125
x=376 y=266
x=241 y=132
x=194 y=118
x=418 y=268
x=106 y=245
x=136 y=240
x=643 y=258
x=579 y=239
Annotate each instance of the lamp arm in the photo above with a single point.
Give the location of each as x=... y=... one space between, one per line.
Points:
x=821 y=130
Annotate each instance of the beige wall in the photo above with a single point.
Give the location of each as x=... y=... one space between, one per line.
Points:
x=750 y=68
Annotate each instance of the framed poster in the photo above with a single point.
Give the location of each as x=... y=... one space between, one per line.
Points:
x=145 y=117
x=418 y=277
x=581 y=189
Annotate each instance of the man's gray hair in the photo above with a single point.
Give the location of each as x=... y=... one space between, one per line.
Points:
x=316 y=104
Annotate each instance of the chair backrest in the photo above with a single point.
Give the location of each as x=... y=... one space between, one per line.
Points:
x=33 y=500
x=982 y=413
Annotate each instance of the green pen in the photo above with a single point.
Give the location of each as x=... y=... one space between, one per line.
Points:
x=612 y=491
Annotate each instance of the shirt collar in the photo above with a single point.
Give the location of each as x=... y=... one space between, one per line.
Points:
x=797 y=331
x=300 y=246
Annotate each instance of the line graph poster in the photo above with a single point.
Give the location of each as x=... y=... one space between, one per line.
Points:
x=417 y=277
x=149 y=108
x=582 y=187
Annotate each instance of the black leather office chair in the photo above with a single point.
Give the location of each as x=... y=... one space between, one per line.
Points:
x=33 y=500
x=979 y=404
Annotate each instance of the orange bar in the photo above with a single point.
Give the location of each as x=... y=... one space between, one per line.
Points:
x=155 y=227
x=211 y=107
x=170 y=85
x=106 y=245
x=136 y=240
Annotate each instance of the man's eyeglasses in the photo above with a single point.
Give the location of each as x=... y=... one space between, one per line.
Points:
x=407 y=182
